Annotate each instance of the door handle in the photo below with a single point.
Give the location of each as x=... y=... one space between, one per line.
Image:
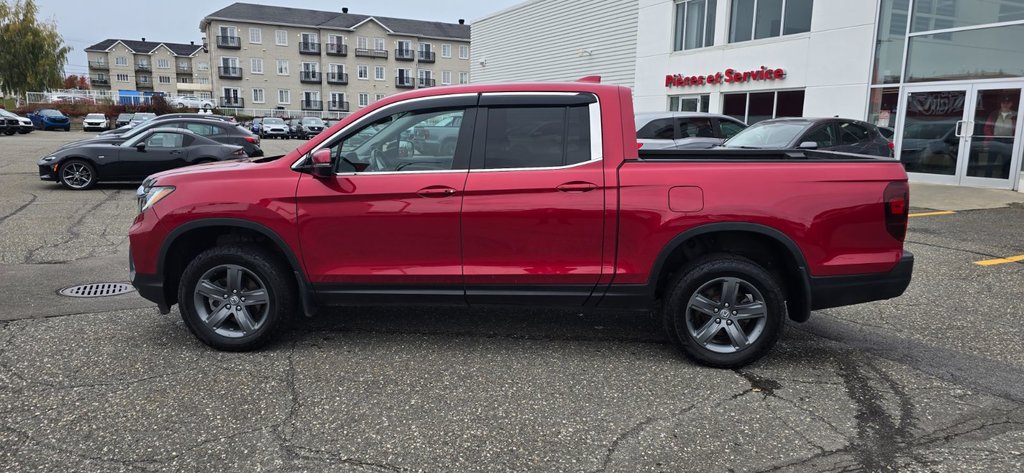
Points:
x=436 y=192
x=175 y=152
x=958 y=131
x=577 y=186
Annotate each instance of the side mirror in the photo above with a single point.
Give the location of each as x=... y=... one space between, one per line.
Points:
x=322 y=168
x=808 y=145
x=141 y=146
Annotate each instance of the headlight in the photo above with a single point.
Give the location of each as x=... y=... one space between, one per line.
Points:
x=148 y=194
x=49 y=158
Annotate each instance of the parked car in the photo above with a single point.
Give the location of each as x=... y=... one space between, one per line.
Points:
x=256 y=126
x=24 y=124
x=216 y=130
x=293 y=127
x=94 y=121
x=123 y=119
x=50 y=119
x=704 y=235
x=309 y=127
x=887 y=132
x=685 y=130
x=190 y=101
x=272 y=127
x=159 y=149
x=141 y=117
x=831 y=134
x=8 y=126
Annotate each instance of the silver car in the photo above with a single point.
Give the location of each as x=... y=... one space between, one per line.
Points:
x=685 y=130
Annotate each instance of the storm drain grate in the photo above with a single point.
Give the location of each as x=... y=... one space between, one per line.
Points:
x=100 y=289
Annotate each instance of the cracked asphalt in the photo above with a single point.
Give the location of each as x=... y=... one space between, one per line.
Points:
x=932 y=381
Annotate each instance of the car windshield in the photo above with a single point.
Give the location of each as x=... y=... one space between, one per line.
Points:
x=51 y=113
x=273 y=121
x=7 y=114
x=768 y=135
x=94 y=116
x=313 y=121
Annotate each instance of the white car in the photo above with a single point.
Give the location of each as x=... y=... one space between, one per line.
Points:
x=25 y=123
x=189 y=101
x=94 y=121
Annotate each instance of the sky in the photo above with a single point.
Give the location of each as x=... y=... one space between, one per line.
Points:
x=83 y=24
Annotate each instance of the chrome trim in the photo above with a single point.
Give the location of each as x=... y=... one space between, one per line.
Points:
x=532 y=93
x=568 y=166
x=360 y=121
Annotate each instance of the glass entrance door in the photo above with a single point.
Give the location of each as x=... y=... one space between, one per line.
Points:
x=964 y=135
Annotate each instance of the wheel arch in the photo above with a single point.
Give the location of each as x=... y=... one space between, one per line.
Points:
x=765 y=245
x=190 y=239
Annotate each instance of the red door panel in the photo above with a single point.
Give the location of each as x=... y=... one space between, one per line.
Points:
x=398 y=229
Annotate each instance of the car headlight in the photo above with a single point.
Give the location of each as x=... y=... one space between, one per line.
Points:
x=148 y=195
x=49 y=158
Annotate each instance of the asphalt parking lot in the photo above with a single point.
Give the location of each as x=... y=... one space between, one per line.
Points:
x=931 y=381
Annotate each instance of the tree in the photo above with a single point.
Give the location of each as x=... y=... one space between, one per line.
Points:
x=33 y=54
x=75 y=81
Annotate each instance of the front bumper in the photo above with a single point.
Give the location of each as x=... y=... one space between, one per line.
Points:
x=48 y=170
x=150 y=286
x=837 y=291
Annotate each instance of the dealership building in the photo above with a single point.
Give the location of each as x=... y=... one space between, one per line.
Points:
x=946 y=75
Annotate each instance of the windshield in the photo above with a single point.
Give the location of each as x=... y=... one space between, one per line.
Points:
x=768 y=135
x=273 y=121
x=7 y=114
x=313 y=121
x=94 y=115
x=51 y=113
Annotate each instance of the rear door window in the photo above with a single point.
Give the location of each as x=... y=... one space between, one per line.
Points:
x=851 y=133
x=696 y=127
x=537 y=137
x=823 y=135
x=659 y=129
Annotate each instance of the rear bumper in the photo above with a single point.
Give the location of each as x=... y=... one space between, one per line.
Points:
x=837 y=291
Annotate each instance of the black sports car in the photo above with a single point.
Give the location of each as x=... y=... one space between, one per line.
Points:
x=217 y=130
x=159 y=149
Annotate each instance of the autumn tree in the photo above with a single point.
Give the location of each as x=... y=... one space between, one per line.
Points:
x=33 y=54
x=74 y=81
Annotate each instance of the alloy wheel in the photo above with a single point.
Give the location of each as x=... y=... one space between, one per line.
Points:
x=76 y=175
x=231 y=300
x=726 y=315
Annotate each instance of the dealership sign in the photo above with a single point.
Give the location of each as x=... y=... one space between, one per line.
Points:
x=730 y=76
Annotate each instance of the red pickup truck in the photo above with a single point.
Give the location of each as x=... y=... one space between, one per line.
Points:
x=545 y=200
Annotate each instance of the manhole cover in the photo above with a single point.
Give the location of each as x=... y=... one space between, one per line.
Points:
x=100 y=289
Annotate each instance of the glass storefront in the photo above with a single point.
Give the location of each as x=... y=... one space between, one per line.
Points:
x=754 y=107
x=948 y=75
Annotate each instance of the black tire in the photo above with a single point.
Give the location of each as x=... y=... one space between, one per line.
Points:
x=753 y=284
x=269 y=318
x=10 y=132
x=77 y=174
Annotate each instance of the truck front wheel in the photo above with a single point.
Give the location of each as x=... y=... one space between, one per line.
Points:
x=235 y=297
x=726 y=311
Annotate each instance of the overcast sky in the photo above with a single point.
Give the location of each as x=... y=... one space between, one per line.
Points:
x=84 y=23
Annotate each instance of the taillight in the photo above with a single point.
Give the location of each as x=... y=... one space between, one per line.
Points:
x=252 y=139
x=892 y=146
x=239 y=152
x=639 y=145
x=896 y=199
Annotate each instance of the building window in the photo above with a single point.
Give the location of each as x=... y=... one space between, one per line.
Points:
x=362 y=72
x=310 y=38
x=463 y=77
x=163 y=63
x=378 y=73
x=256 y=65
x=378 y=97
x=364 y=99
x=203 y=66
x=121 y=77
x=165 y=79
x=255 y=35
x=463 y=51
x=695 y=24
x=143 y=79
x=282 y=67
x=184 y=80
x=963 y=55
x=203 y=81
x=121 y=61
x=759 y=106
x=258 y=96
x=284 y=96
x=689 y=103
x=446 y=50
x=446 y=77
x=891 y=41
x=757 y=19
x=882 y=106
x=362 y=42
x=379 y=44
x=337 y=98
x=281 y=37
x=206 y=95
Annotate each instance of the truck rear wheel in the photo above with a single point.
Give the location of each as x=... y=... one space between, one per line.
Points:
x=236 y=297
x=726 y=311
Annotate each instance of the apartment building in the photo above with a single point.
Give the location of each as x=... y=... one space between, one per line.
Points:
x=278 y=58
x=142 y=68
